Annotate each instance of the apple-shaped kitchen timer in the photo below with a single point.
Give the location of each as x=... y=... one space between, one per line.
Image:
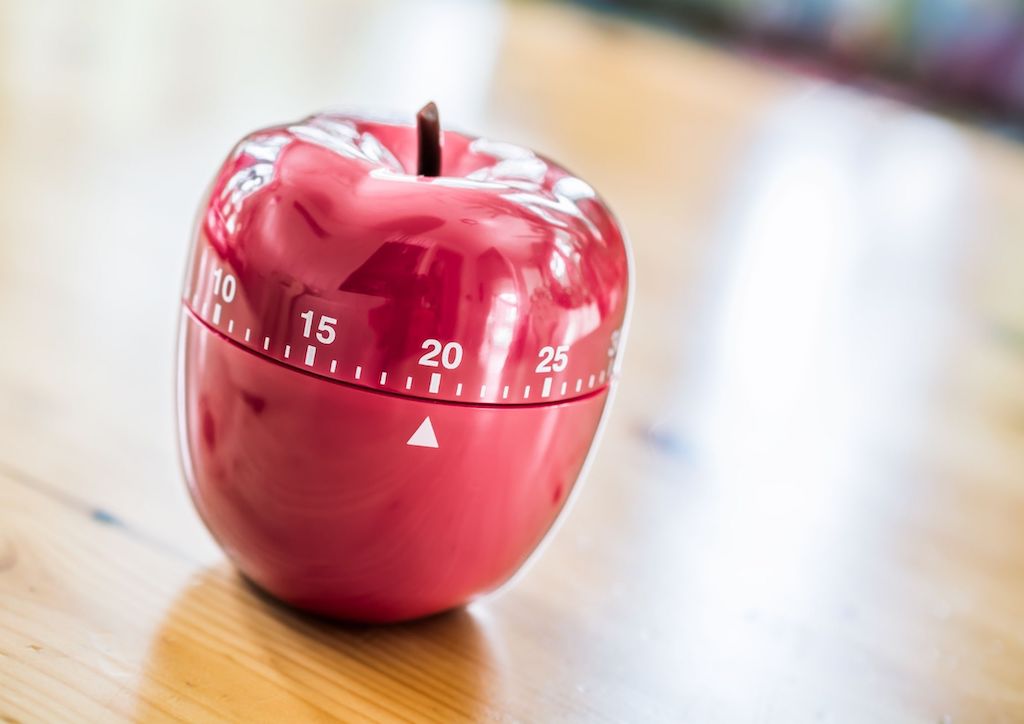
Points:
x=396 y=348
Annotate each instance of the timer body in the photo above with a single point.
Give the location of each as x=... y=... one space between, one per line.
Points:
x=389 y=383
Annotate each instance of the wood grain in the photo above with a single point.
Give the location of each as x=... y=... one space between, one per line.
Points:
x=808 y=502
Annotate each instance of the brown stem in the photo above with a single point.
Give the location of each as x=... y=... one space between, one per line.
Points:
x=429 y=127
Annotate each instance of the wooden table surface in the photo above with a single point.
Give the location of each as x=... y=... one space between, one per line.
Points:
x=809 y=503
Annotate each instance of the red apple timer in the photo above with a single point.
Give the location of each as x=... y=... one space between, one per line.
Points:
x=397 y=345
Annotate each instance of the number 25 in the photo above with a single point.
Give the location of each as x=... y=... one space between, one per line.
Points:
x=553 y=359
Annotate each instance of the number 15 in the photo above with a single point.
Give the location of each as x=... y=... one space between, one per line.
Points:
x=325 y=330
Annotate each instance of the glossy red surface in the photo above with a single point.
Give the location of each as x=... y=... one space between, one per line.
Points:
x=505 y=256
x=311 y=487
x=334 y=302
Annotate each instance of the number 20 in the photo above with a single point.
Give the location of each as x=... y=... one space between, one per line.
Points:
x=553 y=359
x=451 y=354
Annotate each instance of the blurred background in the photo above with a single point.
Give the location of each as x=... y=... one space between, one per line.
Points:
x=808 y=502
x=965 y=53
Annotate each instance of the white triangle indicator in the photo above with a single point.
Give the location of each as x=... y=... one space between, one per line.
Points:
x=424 y=435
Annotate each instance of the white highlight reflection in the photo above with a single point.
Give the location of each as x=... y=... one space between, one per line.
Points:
x=441 y=51
x=837 y=281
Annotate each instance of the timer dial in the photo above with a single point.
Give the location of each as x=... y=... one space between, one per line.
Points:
x=502 y=282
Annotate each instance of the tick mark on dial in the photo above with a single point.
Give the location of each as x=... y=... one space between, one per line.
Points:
x=526 y=393
x=359 y=372
x=334 y=366
x=383 y=377
x=202 y=274
x=287 y=351
x=266 y=343
x=248 y=333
